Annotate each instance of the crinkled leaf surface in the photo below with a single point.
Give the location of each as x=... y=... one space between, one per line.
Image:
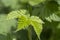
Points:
x=16 y=14
x=12 y=15
x=23 y=22
x=37 y=19
x=22 y=18
x=37 y=25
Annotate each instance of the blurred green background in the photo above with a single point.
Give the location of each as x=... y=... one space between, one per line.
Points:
x=48 y=11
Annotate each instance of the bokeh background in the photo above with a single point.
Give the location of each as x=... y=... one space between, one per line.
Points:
x=48 y=11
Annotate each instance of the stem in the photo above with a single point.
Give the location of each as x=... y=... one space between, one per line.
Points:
x=29 y=33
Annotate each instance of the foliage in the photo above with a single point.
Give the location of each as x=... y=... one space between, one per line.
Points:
x=25 y=20
x=20 y=15
x=6 y=24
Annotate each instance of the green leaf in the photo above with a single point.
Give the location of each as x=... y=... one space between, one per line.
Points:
x=12 y=15
x=53 y=17
x=22 y=18
x=37 y=19
x=48 y=19
x=16 y=14
x=37 y=25
x=35 y=2
x=23 y=22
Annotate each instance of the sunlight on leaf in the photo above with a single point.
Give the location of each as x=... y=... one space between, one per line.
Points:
x=37 y=27
x=37 y=19
x=16 y=14
x=12 y=15
x=23 y=22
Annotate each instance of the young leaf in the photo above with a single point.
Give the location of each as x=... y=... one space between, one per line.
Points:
x=37 y=25
x=16 y=14
x=36 y=19
x=23 y=22
x=12 y=15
